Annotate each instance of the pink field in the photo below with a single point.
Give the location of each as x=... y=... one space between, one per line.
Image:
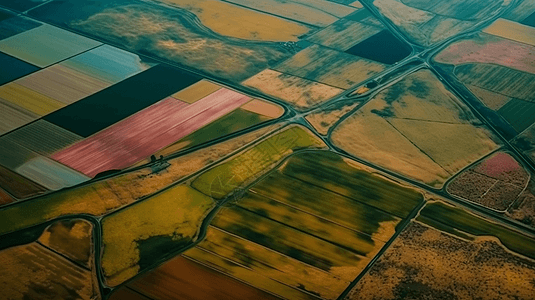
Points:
x=144 y=133
x=490 y=49
x=497 y=165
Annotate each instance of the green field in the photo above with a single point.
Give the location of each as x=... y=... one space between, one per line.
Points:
x=519 y=113
x=461 y=220
x=220 y=181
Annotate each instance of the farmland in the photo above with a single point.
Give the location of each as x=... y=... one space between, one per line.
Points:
x=427 y=124
x=277 y=235
x=221 y=180
x=135 y=238
x=102 y=197
x=324 y=119
x=414 y=267
x=495 y=182
x=53 y=276
x=513 y=31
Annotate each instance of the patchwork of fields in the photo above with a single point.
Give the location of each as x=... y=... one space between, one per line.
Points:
x=267 y=149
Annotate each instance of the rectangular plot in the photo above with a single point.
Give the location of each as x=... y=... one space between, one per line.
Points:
x=313 y=12
x=344 y=34
x=139 y=136
x=45 y=45
x=121 y=100
x=62 y=84
x=16 y=25
x=13 y=155
x=182 y=278
x=290 y=241
x=50 y=174
x=330 y=67
x=513 y=31
x=108 y=64
x=13 y=68
x=273 y=265
x=13 y=116
x=520 y=114
x=326 y=204
x=325 y=229
x=19 y=186
x=197 y=91
x=28 y=99
x=42 y=137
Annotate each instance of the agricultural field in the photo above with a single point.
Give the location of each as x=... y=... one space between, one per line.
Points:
x=54 y=276
x=136 y=237
x=427 y=124
x=413 y=267
x=322 y=120
x=105 y=196
x=279 y=238
x=427 y=23
x=496 y=182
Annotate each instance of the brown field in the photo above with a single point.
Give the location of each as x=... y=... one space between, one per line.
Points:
x=486 y=48
x=72 y=238
x=13 y=116
x=470 y=185
x=197 y=91
x=427 y=124
x=492 y=100
x=323 y=120
x=496 y=182
x=513 y=31
x=32 y=271
x=301 y=93
x=5 y=198
x=125 y=293
x=414 y=268
x=335 y=68
x=183 y=278
x=343 y=34
x=314 y=12
x=523 y=209
x=499 y=79
x=264 y=108
x=239 y=22
x=18 y=185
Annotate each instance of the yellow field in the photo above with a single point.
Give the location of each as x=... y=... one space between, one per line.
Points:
x=492 y=100
x=71 y=238
x=176 y=213
x=299 y=92
x=513 y=31
x=235 y=21
x=29 y=99
x=264 y=108
x=374 y=139
x=196 y=91
x=447 y=143
x=323 y=120
x=313 y=12
x=264 y=262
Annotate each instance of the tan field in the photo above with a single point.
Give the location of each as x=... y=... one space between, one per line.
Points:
x=299 y=92
x=415 y=265
x=264 y=108
x=175 y=214
x=344 y=34
x=222 y=18
x=28 y=99
x=323 y=120
x=314 y=12
x=513 y=31
x=371 y=137
x=335 y=68
x=492 y=100
x=196 y=91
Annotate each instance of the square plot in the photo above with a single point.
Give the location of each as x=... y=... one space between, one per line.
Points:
x=108 y=64
x=46 y=45
x=13 y=68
